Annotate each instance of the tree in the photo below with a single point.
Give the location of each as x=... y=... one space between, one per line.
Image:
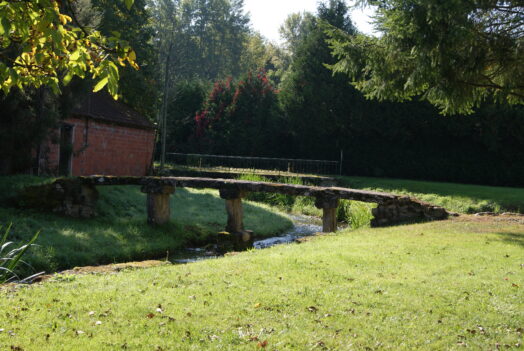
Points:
x=316 y=102
x=133 y=26
x=240 y=119
x=295 y=28
x=196 y=39
x=259 y=54
x=455 y=53
x=42 y=42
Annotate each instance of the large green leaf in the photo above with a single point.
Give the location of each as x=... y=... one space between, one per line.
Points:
x=129 y=3
x=102 y=83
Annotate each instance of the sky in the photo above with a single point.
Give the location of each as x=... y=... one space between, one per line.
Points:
x=268 y=15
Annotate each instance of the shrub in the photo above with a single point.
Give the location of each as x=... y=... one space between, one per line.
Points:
x=11 y=257
x=356 y=214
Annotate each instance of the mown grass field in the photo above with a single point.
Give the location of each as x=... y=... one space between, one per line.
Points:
x=461 y=198
x=120 y=232
x=451 y=285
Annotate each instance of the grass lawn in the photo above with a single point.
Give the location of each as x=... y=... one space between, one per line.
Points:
x=433 y=286
x=461 y=198
x=120 y=233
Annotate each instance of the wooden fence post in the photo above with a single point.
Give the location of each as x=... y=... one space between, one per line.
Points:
x=158 y=207
x=329 y=207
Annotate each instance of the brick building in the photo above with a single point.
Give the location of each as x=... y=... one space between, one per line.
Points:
x=103 y=137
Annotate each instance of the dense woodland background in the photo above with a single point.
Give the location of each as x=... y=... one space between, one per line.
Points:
x=225 y=90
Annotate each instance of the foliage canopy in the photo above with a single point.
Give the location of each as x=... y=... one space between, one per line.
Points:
x=42 y=42
x=455 y=54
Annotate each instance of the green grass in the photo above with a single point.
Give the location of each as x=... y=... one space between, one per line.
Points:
x=10 y=185
x=120 y=232
x=433 y=286
x=354 y=213
x=461 y=198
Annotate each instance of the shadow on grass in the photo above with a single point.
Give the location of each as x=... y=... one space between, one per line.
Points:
x=513 y=238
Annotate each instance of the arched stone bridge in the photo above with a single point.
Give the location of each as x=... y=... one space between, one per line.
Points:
x=78 y=198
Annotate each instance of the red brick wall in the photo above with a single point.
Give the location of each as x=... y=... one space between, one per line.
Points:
x=110 y=150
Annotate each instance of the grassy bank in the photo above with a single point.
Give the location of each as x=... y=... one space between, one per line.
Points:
x=432 y=286
x=120 y=232
x=461 y=198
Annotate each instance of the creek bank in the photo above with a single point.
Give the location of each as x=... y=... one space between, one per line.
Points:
x=303 y=226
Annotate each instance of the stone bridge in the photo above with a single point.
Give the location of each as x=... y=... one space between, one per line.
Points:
x=77 y=197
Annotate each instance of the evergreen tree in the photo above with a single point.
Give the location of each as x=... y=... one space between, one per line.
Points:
x=455 y=54
x=317 y=103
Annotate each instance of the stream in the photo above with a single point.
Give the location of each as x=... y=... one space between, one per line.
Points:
x=302 y=226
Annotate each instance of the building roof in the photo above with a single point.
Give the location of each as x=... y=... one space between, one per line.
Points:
x=103 y=107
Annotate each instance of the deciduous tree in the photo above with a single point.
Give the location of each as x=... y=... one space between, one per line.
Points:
x=42 y=42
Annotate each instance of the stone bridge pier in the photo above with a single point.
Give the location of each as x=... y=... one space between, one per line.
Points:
x=157 y=202
x=329 y=205
x=234 y=209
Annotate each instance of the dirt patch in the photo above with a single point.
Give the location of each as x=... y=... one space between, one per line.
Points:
x=492 y=218
x=110 y=268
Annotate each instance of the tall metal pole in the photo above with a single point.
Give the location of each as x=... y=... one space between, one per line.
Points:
x=164 y=108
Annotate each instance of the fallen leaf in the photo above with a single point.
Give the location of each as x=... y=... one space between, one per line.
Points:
x=257 y=305
x=262 y=344
x=150 y=315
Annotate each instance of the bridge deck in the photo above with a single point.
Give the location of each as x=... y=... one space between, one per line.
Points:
x=240 y=185
x=391 y=208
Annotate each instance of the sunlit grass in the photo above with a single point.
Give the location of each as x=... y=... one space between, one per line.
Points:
x=433 y=286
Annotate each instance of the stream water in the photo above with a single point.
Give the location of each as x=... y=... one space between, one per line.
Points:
x=302 y=226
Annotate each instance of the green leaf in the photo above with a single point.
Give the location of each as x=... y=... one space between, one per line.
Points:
x=132 y=55
x=129 y=3
x=5 y=26
x=113 y=71
x=75 y=56
x=102 y=83
x=67 y=78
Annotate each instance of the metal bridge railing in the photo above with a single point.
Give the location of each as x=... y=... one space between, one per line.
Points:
x=254 y=163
